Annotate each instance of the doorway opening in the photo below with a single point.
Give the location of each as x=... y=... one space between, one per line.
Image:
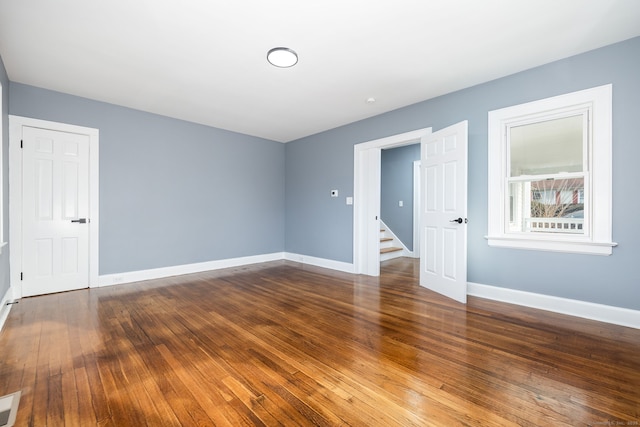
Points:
x=367 y=171
x=398 y=202
x=443 y=231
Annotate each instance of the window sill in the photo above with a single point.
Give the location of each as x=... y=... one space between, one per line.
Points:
x=567 y=246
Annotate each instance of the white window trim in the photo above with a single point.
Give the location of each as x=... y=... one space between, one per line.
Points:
x=599 y=240
x=2 y=166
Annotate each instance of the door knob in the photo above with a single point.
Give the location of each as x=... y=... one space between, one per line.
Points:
x=458 y=220
x=80 y=221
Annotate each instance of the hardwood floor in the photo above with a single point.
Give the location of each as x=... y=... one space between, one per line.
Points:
x=284 y=344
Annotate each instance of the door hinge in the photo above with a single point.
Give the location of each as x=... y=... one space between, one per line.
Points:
x=21 y=142
x=21 y=275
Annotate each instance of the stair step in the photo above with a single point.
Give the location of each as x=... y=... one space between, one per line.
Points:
x=387 y=250
x=386 y=239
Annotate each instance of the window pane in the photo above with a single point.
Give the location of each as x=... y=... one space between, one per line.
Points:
x=548 y=206
x=548 y=147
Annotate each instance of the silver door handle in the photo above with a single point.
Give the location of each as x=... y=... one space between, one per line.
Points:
x=80 y=221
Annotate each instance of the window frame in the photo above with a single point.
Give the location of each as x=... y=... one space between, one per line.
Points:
x=597 y=240
x=2 y=169
x=584 y=113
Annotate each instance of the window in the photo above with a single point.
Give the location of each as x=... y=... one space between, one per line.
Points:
x=550 y=174
x=546 y=171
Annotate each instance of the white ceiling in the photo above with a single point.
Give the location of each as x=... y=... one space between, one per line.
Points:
x=205 y=60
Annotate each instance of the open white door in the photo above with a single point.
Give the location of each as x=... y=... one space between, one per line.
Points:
x=443 y=219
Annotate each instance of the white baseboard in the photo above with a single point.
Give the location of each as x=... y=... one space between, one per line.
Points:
x=4 y=308
x=587 y=310
x=320 y=262
x=159 y=273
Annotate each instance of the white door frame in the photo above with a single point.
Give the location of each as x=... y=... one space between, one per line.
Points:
x=365 y=204
x=15 y=194
x=417 y=200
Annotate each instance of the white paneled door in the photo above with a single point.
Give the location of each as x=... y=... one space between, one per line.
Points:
x=443 y=256
x=55 y=211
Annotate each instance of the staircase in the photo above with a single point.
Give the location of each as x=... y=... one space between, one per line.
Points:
x=389 y=247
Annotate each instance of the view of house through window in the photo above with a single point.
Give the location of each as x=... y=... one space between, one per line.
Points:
x=546 y=177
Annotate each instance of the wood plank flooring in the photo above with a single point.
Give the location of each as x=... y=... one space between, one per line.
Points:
x=284 y=344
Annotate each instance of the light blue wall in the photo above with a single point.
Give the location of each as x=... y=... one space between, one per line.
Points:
x=326 y=159
x=172 y=192
x=4 y=116
x=317 y=224
x=396 y=183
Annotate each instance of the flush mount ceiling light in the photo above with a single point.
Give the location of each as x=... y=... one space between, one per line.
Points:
x=282 y=57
